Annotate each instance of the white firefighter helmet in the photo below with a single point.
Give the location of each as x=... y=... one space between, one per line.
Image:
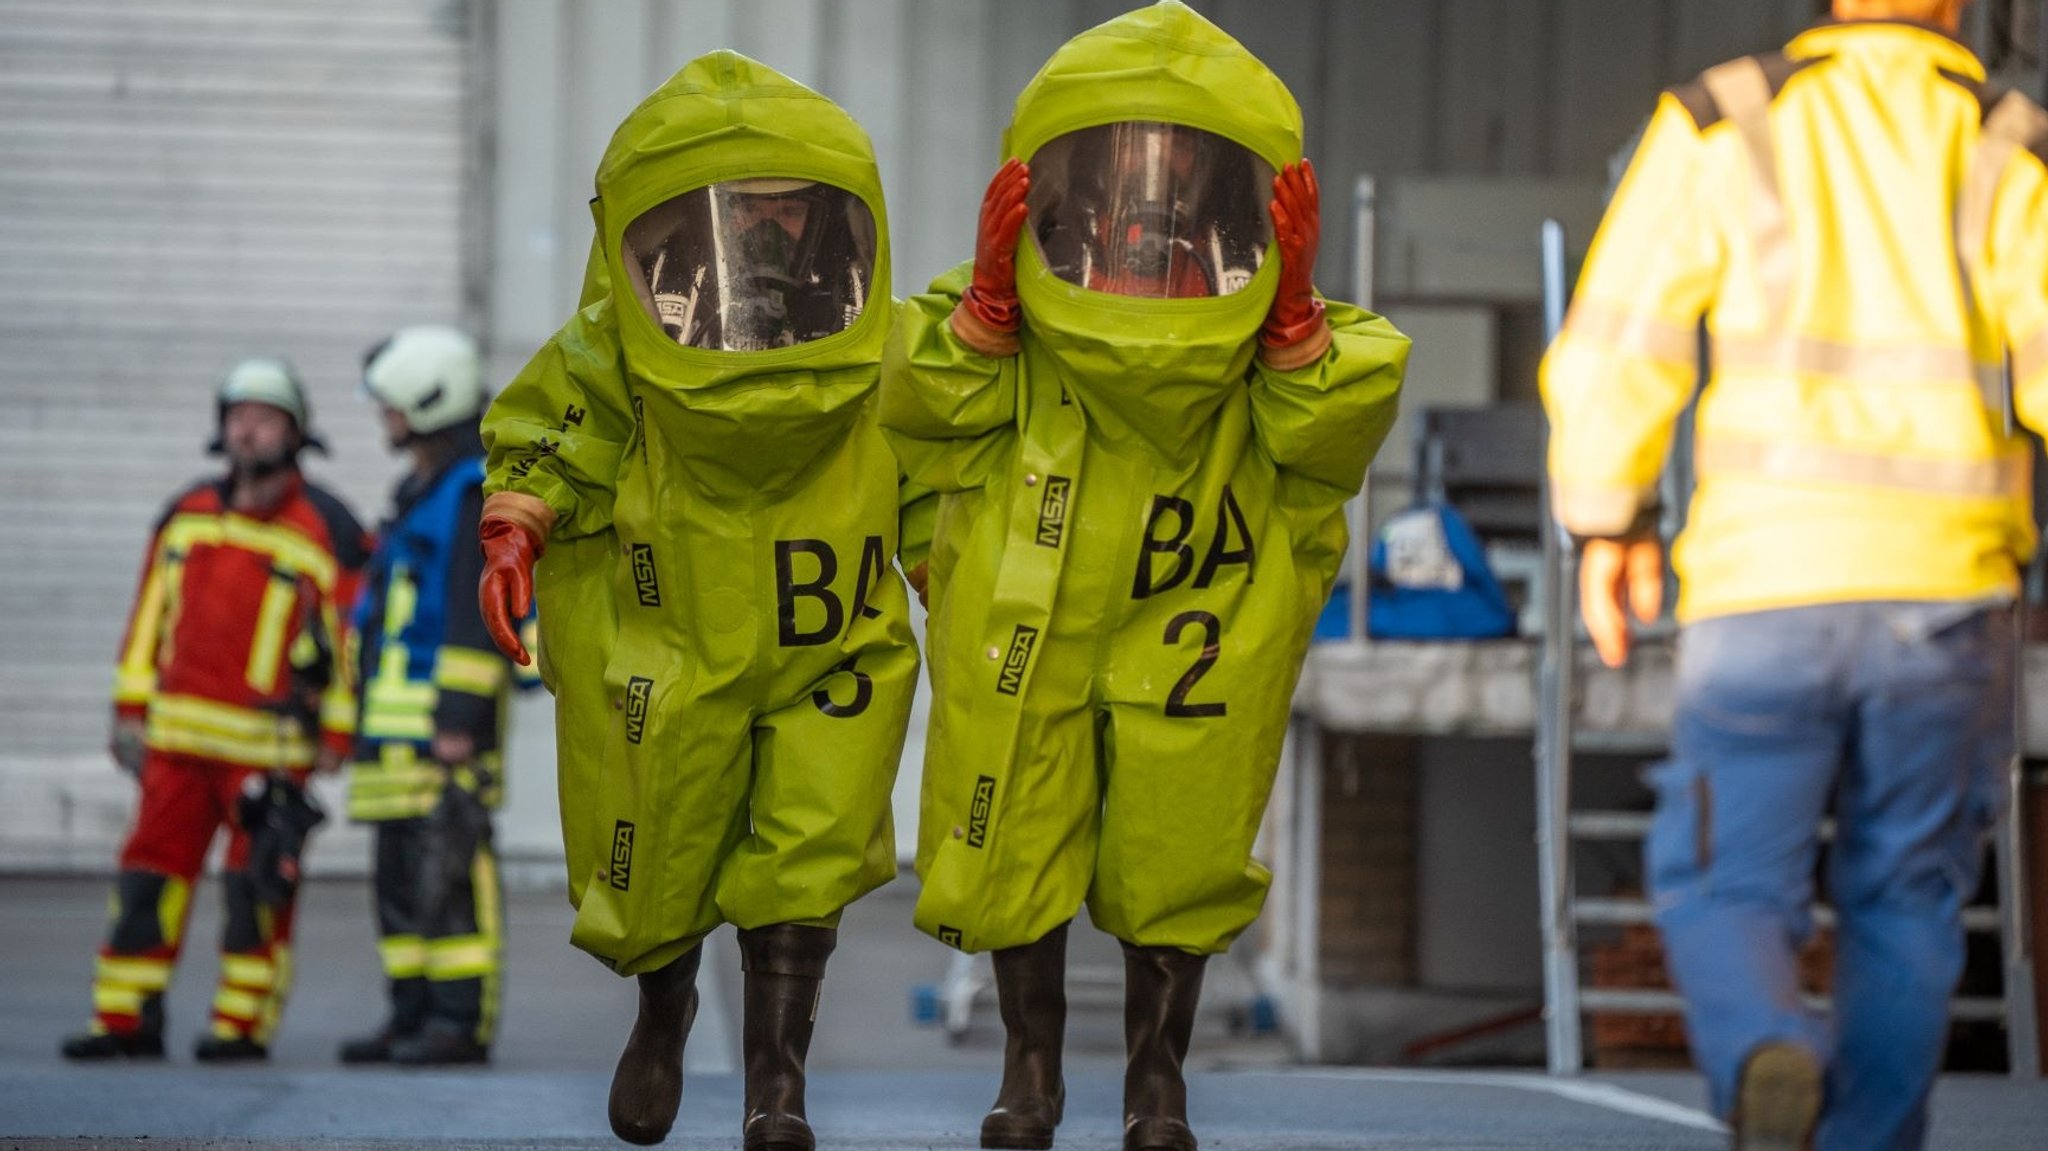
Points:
x=269 y=380
x=430 y=374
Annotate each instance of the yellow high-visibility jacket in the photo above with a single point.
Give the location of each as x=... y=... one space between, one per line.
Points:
x=1862 y=222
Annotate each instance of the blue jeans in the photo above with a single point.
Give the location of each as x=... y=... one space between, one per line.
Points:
x=1899 y=717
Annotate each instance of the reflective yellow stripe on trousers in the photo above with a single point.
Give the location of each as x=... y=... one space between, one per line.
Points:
x=254 y=972
x=140 y=974
x=461 y=957
x=404 y=956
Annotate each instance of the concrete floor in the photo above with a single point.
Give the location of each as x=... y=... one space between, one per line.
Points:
x=880 y=1079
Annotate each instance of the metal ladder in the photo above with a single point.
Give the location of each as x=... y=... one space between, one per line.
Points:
x=1560 y=827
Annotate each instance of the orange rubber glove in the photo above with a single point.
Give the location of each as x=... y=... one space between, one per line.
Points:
x=1296 y=314
x=992 y=297
x=505 y=594
x=1617 y=576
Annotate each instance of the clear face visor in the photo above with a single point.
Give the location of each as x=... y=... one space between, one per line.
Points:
x=1150 y=209
x=751 y=265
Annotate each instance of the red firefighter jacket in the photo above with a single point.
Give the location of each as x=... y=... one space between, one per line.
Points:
x=233 y=648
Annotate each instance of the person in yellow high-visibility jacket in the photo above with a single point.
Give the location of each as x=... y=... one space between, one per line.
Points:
x=1862 y=222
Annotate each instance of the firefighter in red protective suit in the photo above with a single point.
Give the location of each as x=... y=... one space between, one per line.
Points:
x=228 y=692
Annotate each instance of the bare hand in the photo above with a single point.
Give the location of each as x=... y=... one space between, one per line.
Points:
x=454 y=747
x=1617 y=578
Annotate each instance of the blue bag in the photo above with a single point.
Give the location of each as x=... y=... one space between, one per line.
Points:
x=1430 y=580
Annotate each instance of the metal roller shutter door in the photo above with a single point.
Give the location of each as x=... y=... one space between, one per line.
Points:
x=183 y=182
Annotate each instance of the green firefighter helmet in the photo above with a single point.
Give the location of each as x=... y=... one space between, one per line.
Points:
x=270 y=380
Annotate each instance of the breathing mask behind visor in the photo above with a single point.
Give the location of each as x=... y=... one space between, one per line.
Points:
x=1150 y=209
x=752 y=265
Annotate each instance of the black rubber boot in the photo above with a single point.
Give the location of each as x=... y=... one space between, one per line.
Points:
x=1031 y=991
x=785 y=969
x=440 y=1043
x=648 y=1085
x=240 y=1049
x=98 y=1045
x=409 y=1000
x=1162 y=986
x=367 y=1048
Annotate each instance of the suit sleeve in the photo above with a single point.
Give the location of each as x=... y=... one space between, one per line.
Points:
x=1619 y=374
x=135 y=671
x=947 y=410
x=1324 y=421
x=561 y=428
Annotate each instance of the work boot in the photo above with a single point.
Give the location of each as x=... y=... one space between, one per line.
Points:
x=239 y=1049
x=1031 y=992
x=648 y=1085
x=409 y=1004
x=439 y=1043
x=1777 y=1100
x=1162 y=985
x=368 y=1048
x=100 y=1045
x=785 y=969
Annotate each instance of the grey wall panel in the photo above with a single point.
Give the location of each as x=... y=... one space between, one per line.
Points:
x=1705 y=32
x=952 y=130
x=531 y=287
x=1287 y=37
x=1608 y=67
x=876 y=97
x=1018 y=39
x=1494 y=87
x=1377 y=113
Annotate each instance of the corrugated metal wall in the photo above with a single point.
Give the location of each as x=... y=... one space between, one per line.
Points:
x=1391 y=87
x=183 y=182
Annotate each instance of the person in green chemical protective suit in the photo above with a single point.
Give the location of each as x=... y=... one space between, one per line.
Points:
x=690 y=479
x=1143 y=424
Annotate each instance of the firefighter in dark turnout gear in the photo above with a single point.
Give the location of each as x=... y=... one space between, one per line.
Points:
x=228 y=684
x=427 y=768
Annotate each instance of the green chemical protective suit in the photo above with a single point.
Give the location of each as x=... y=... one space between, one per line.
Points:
x=1140 y=519
x=730 y=652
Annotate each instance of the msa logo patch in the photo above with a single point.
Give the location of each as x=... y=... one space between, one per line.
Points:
x=622 y=856
x=950 y=936
x=643 y=575
x=977 y=813
x=1052 y=511
x=1011 y=679
x=639 y=690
